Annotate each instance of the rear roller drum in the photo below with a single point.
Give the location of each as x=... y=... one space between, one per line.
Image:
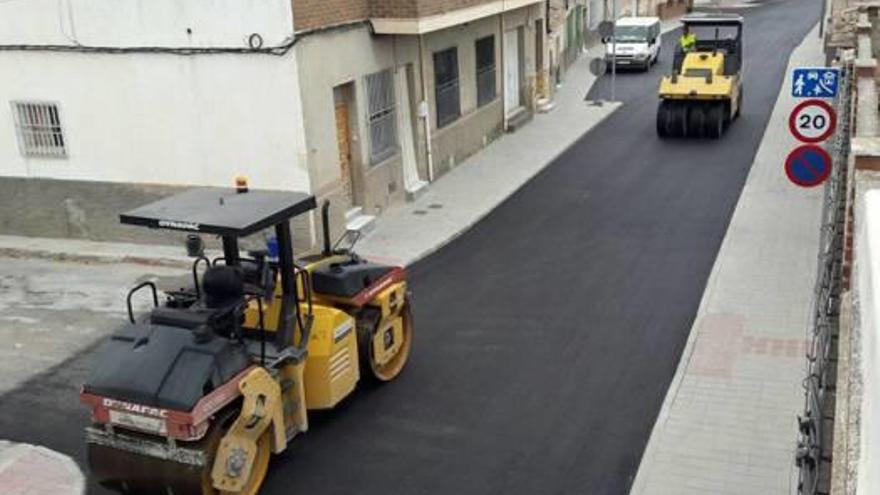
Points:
x=136 y=474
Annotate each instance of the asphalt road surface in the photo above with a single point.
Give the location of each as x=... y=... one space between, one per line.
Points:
x=547 y=335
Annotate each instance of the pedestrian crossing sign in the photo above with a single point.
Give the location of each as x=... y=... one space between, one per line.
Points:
x=815 y=82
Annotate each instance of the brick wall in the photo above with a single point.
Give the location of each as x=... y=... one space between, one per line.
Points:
x=394 y=8
x=431 y=7
x=314 y=14
x=418 y=8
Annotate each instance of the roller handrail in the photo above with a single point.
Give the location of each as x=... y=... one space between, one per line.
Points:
x=136 y=288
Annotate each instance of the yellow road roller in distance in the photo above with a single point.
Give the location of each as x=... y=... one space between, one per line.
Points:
x=704 y=93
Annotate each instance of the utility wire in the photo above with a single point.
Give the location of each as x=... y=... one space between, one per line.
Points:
x=277 y=50
x=76 y=47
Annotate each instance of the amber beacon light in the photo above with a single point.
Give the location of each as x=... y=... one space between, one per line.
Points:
x=241 y=184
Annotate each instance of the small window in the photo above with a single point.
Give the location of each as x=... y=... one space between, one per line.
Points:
x=486 y=89
x=382 y=119
x=39 y=130
x=446 y=91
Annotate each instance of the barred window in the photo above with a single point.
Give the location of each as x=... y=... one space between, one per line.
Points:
x=486 y=90
x=39 y=129
x=446 y=91
x=382 y=115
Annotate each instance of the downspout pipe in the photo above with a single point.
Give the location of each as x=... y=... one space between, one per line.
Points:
x=423 y=105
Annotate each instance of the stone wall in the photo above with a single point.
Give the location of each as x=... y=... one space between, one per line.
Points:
x=90 y=210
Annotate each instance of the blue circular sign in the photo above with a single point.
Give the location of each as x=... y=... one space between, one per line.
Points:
x=808 y=165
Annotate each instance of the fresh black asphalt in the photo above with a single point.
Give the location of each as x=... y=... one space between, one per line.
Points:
x=546 y=335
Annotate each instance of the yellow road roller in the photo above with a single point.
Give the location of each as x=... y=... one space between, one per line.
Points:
x=704 y=93
x=194 y=395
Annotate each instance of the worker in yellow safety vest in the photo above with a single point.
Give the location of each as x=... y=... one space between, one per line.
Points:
x=688 y=40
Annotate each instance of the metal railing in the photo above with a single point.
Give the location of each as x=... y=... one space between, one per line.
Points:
x=812 y=449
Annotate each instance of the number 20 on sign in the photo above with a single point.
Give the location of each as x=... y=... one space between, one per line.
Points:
x=812 y=121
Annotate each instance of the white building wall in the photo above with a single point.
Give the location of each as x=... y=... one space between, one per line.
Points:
x=156 y=118
x=867 y=280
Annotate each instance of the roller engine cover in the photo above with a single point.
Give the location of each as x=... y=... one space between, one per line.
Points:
x=163 y=366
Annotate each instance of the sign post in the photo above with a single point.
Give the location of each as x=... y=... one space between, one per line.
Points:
x=606 y=31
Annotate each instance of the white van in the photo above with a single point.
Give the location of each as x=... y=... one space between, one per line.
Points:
x=638 y=42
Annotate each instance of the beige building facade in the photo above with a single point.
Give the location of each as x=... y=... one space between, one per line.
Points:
x=395 y=94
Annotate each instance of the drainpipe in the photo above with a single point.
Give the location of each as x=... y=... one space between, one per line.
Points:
x=503 y=69
x=426 y=121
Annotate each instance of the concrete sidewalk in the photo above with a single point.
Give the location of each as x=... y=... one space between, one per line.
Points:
x=86 y=251
x=408 y=232
x=30 y=470
x=728 y=424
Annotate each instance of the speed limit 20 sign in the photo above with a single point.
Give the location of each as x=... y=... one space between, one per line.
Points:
x=813 y=121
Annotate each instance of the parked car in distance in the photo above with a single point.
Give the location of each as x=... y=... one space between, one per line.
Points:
x=637 y=43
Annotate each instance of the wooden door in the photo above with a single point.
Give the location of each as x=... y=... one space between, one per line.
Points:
x=343 y=142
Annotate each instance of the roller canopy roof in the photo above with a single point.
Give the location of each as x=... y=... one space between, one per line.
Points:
x=221 y=211
x=713 y=19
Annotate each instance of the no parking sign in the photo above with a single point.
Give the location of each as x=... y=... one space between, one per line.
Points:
x=808 y=165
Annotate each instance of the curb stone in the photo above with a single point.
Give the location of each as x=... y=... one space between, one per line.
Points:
x=33 y=470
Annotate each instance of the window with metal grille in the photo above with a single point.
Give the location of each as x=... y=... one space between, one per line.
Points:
x=39 y=129
x=381 y=118
x=486 y=89
x=446 y=91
